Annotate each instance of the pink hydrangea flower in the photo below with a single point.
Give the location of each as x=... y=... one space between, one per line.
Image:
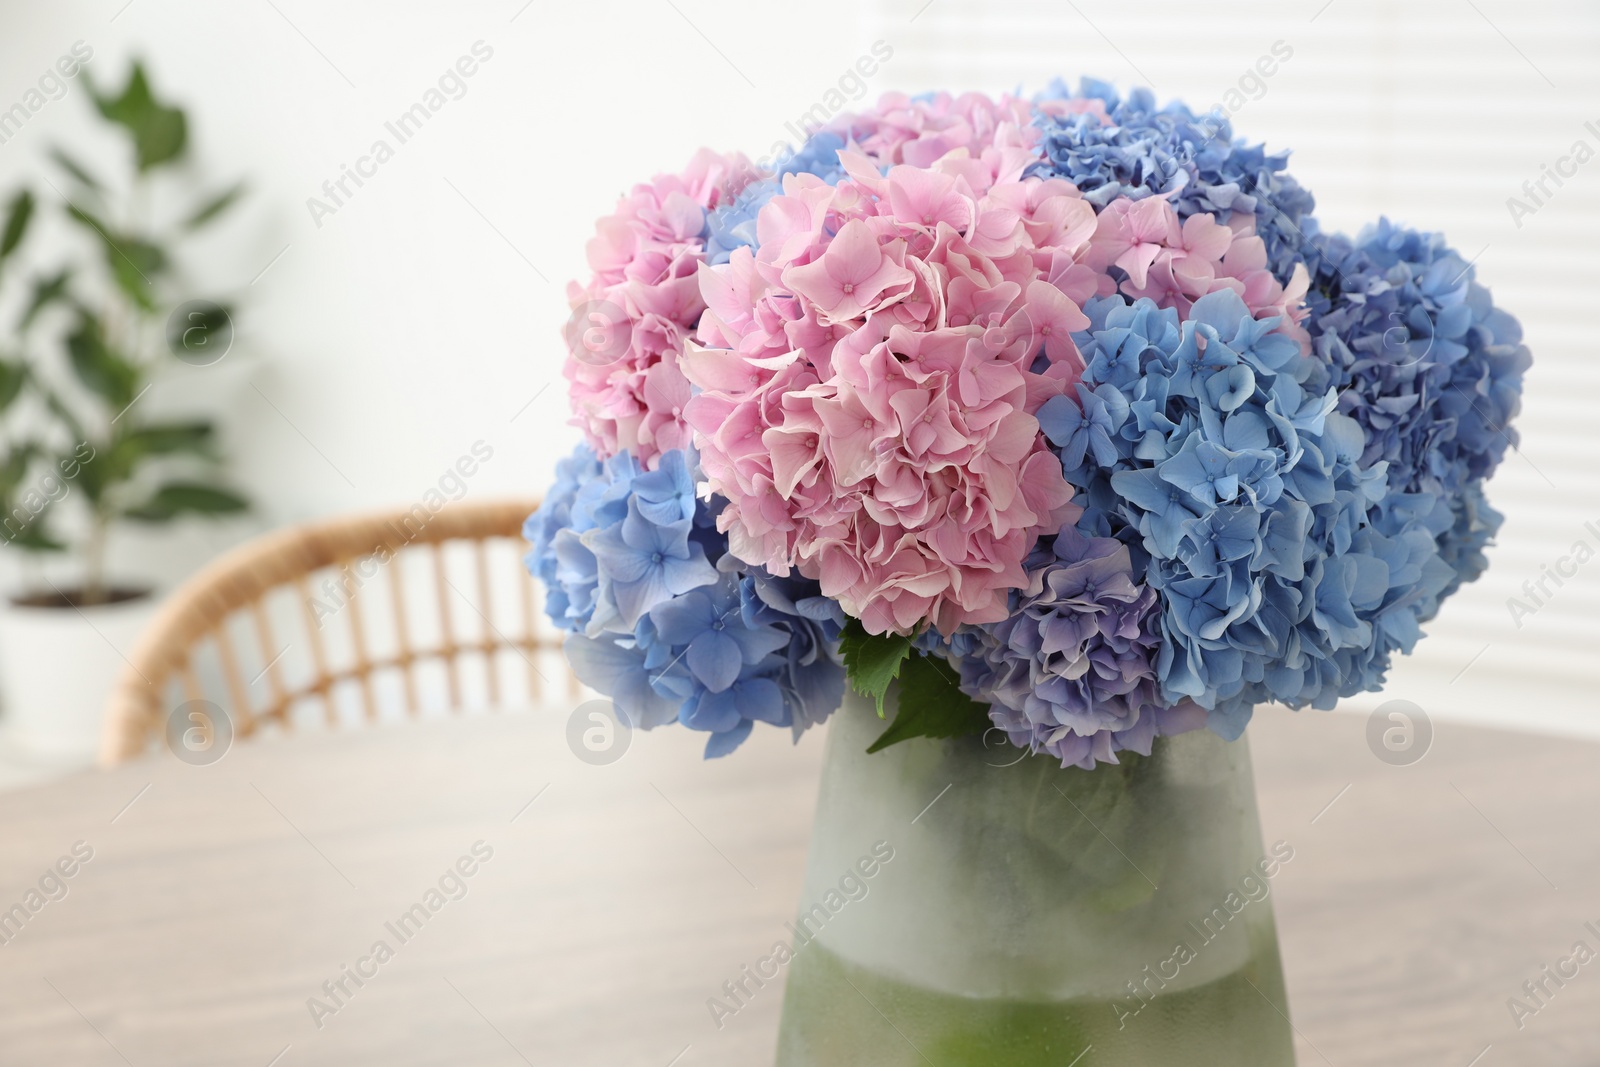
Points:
x=922 y=131
x=868 y=381
x=632 y=318
x=1176 y=263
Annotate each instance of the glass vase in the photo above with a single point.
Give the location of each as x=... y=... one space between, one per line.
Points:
x=968 y=904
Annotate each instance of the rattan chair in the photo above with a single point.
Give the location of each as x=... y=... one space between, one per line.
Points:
x=234 y=613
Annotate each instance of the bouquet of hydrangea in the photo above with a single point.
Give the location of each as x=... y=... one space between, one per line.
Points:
x=1063 y=412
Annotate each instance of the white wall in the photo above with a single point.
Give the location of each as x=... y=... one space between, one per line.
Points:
x=407 y=326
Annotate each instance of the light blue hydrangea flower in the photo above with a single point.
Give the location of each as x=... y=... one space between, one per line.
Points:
x=1431 y=370
x=612 y=540
x=1241 y=496
x=664 y=620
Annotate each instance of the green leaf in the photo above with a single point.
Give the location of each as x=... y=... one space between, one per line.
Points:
x=204 y=328
x=12 y=377
x=160 y=133
x=162 y=138
x=165 y=439
x=135 y=263
x=74 y=168
x=932 y=705
x=34 y=537
x=96 y=472
x=28 y=530
x=46 y=291
x=14 y=468
x=214 y=207
x=18 y=214
x=131 y=449
x=84 y=217
x=60 y=410
x=872 y=661
x=101 y=371
x=178 y=498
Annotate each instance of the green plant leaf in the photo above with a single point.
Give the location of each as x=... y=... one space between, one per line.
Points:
x=95 y=475
x=136 y=446
x=102 y=372
x=13 y=375
x=178 y=498
x=21 y=526
x=14 y=468
x=84 y=217
x=135 y=263
x=168 y=438
x=60 y=410
x=214 y=207
x=932 y=705
x=19 y=212
x=204 y=326
x=123 y=251
x=78 y=171
x=872 y=661
x=160 y=133
x=35 y=536
x=46 y=291
x=163 y=137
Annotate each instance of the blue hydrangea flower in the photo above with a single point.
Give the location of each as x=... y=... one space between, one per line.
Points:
x=613 y=540
x=812 y=681
x=664 y=620
x=641 y=564
x=617 y=667
x=1145 y=150
x=542 y=528
x=1241 y=497
x=1430 y=369
x=1421 y=357
x=589 y=498
x=701 y=651
x=733 y=225
x=1462 y=546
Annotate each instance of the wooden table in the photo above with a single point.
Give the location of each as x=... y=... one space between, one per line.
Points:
x=220 y=898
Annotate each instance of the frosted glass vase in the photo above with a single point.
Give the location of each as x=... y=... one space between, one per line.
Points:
x=967 y=904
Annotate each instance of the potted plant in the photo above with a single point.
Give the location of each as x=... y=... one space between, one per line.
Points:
x=84 y=450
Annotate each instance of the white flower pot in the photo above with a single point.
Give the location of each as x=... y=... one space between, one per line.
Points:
x=57 y=669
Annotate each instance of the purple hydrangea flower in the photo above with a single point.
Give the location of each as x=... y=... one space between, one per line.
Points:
x=1072 y=671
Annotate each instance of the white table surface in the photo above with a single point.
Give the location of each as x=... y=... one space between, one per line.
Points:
x=220 y=898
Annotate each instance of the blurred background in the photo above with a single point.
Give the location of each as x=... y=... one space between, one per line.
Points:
x=396 y=340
